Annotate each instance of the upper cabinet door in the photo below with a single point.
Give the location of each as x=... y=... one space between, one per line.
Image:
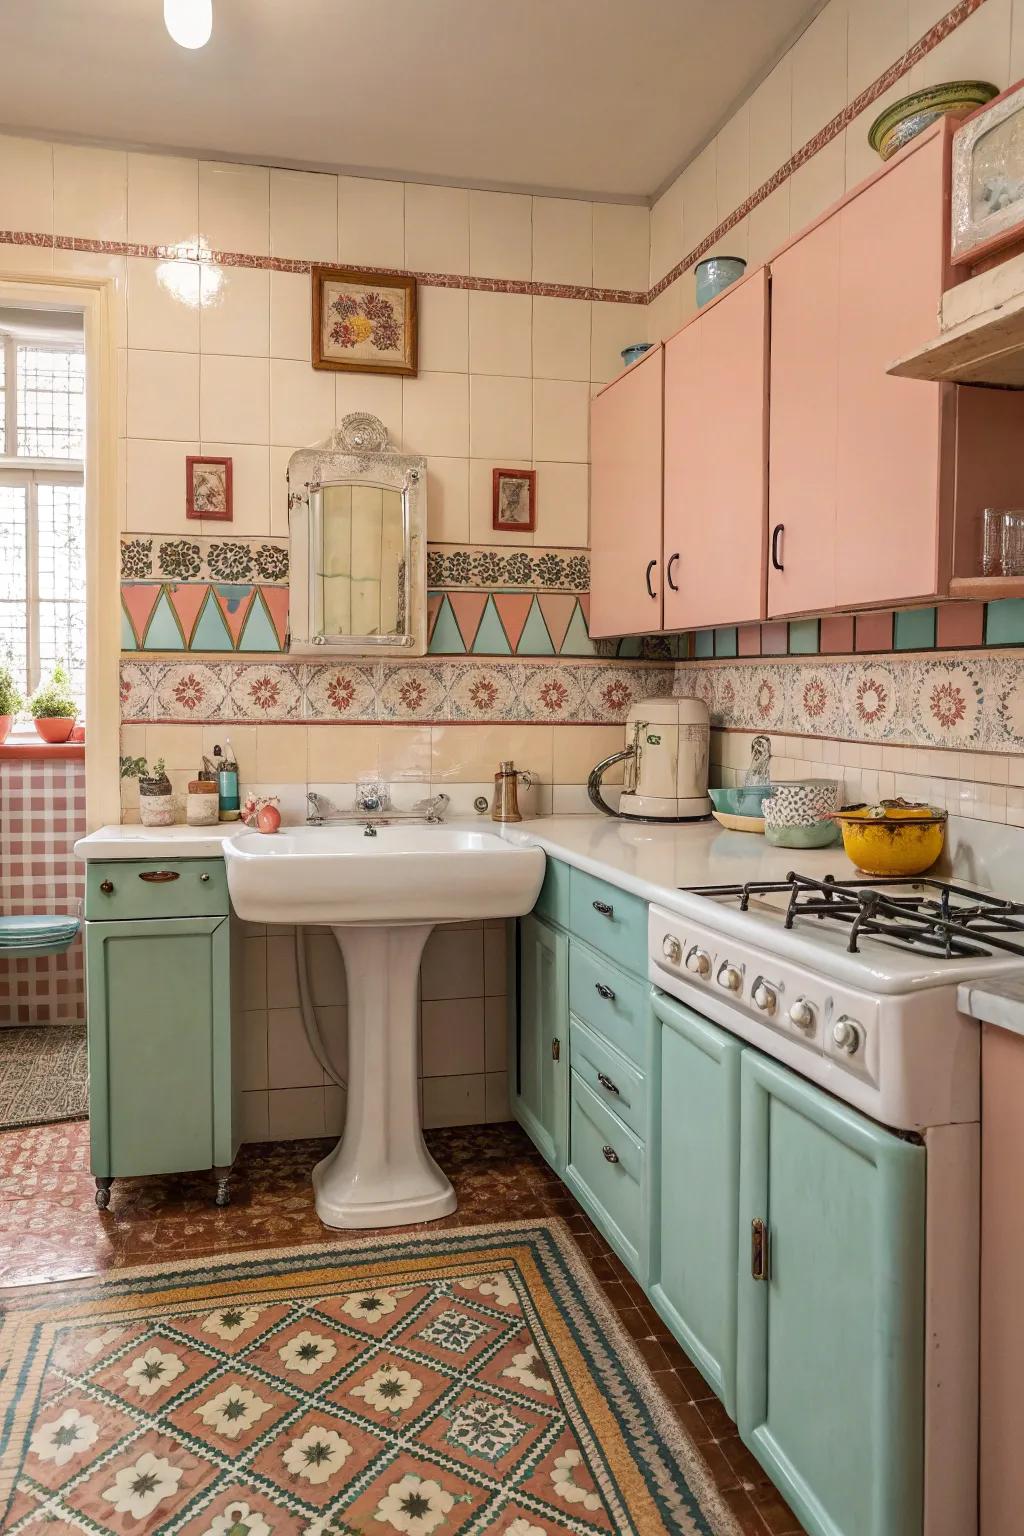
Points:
x=716 y=429
x=625 y=502
x=804 y=423
x=891 y=509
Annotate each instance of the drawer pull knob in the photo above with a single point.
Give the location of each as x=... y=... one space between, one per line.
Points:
x=604 y=909
x=204 y=879
x=607 y=1084
x=158 y=876
x=605 y=992
x=758 y=1249
x=609 y=1154
x=106 y=886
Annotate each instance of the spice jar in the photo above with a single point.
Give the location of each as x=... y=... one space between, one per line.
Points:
x=202 y=804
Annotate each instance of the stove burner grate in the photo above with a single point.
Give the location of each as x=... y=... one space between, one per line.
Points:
x=926 y=918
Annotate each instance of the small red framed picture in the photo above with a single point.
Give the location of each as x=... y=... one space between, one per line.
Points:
x=514 y=500
x=208 y=488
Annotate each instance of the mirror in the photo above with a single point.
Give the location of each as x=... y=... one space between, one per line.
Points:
x=358 y=527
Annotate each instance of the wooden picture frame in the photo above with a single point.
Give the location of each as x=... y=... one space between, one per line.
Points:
x=976 y=233
x=363 y=321
x=208 y=496
x=507 y=502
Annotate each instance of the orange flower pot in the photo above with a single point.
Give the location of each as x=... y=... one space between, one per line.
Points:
x=5 y=727
x=55 y=728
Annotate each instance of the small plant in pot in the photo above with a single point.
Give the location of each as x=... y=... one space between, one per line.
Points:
x=156 y=799
x=10 y=702
x=53 y=707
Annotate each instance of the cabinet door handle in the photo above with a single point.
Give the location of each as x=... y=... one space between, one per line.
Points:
x=106 y=886
x=668 y=572
x=603 y=907
x=607 y=1084
x=777 y=533
x=556 y=1049
x=204 y=879
x=758 y=1249
x=603 y=991
x=158 y=876
x=609 y=1154
x=647 y=577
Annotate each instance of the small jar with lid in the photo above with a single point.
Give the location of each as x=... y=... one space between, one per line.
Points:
x=202 y=804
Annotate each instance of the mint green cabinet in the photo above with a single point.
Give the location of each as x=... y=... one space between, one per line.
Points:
x=539 y=1038
x=695 y=1142
x=830 y=1339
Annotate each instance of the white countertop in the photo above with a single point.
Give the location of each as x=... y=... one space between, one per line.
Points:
x=999 y=1002
x=133 y=841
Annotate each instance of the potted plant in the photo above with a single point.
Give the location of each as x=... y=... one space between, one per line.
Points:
x=10 y=702
x=53 y=708
x=156 y=799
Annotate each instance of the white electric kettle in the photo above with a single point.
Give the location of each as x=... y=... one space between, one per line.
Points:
x=666 y=758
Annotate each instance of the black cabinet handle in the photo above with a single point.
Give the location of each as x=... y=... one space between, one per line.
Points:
x=668 y=572
x=777 y=533
x=609 y=1154
x=650 y=567
x=605 y=992
x=607 y=1084
x=603 y=907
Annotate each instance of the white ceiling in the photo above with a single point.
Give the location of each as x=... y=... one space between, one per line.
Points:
x=600 y=97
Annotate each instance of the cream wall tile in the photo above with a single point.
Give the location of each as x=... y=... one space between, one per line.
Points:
x=576 y=748
x=622 y=246
x=281 y=754
x=327 y=982
x=700 y=197
x=163 y=395
x=454 y=1101
x=344 y=753
x=301 y=402
x=290 y=315
x=180 y=746
x=253 y=1065
x=561 y=338
x=818 y=184
x=819 y=72
x=383 y=397
x=90 y=192
x=243 y=740
x=496 y=1101
x=26 y=260
x=296 y=1113
x=563 y=237
x=495 y=961
x=447 y=500
x=667 y=312
x=500 y=235
x=234 y=207
x=371 y=222
x=442 y=321
x=500 y=333
x=436 y=228
x=452 y=1035
x=500 y=418
x=163 y=199
x=435 y=408
x=163 y=317
x=563 y=504
x=667 y=231
x=878 y=32
x=235 y=317
x=291 y=1063
x=861 y=159
x=235 y=399
x=561 y=420
x=155 y=487
x=979 y=49
x=279 y=489
x=733 y=243
x=481 y=503
x=613 y=326
x=255 y=1117
x=732 y=162
x=768 y=225
x=26 y=185
x=100 y=264
x=453 y=964
x=335 y=1108
x=495 y=1034
x=250 y=487
x=471 y=753
x=304 y=215
x=771 y=123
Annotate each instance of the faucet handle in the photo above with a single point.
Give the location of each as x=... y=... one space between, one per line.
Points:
x=314 y=810
x=372 y=795
x=433 y=807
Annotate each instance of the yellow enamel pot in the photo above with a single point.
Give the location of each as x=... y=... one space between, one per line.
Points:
x=893 y=838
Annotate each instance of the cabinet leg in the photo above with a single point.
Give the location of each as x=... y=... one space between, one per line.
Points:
x=103 y=1193
x=223 y=1177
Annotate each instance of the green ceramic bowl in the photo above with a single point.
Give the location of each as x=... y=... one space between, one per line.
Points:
x=743 y=801
x=911 y=115
x=820 y=834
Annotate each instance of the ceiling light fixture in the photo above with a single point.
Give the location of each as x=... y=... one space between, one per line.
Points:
x=189 y=22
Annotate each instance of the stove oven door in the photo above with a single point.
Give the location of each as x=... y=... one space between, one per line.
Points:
x=830 y=1306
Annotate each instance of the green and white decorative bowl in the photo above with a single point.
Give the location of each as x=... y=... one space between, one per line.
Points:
x=911 y=115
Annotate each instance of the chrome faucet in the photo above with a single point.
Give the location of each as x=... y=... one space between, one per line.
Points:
x=314 y=810
x=373 y=808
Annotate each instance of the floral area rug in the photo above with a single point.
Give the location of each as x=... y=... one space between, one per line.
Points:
x=468 y=1381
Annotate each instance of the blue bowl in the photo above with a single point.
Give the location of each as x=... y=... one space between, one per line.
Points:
x=741 y=801
x=630 y=354
x=715 y=274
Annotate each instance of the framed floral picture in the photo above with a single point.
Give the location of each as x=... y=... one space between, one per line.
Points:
x=363 y=322
x=514 y=500
x=208 y=488
x=988 y=178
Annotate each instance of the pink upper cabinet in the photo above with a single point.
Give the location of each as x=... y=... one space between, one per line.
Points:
x=804 y=423
x=716 y=424
x=625 y=502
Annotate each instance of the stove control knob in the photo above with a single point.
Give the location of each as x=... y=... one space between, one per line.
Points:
x=699 y=961
x=846 y=1035
x=730 y=978
x=671 y=948
x=802 y=1015
x=765 y=998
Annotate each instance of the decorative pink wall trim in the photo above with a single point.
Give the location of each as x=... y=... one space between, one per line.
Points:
x=914 y=54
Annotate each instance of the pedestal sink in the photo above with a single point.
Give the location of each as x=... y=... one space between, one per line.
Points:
x=381 y=893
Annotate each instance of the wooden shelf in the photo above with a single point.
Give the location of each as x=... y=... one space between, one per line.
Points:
x=982 y=335
x=986 y=589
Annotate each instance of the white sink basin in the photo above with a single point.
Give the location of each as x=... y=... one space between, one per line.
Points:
x=403 y=874
x=382 y=896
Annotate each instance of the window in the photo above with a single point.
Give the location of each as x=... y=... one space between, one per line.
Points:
x=42 y=509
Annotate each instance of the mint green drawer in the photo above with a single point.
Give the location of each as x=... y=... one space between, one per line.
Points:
x=553 y=901
x=606 y=1172
x=610 y=919
x=126 y=888
x=614 y=1004
x=612 y=1079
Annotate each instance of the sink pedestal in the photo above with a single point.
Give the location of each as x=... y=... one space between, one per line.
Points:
x=380 y=1174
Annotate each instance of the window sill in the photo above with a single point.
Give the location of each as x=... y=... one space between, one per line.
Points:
x=31 y=749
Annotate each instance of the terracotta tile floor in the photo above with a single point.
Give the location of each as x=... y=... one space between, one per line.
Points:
x=50 y=1230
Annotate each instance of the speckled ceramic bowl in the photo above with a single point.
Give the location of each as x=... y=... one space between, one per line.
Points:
x=903 y=120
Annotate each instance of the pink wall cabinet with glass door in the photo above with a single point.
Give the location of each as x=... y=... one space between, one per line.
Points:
x=716 y=469
x=625 y=501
